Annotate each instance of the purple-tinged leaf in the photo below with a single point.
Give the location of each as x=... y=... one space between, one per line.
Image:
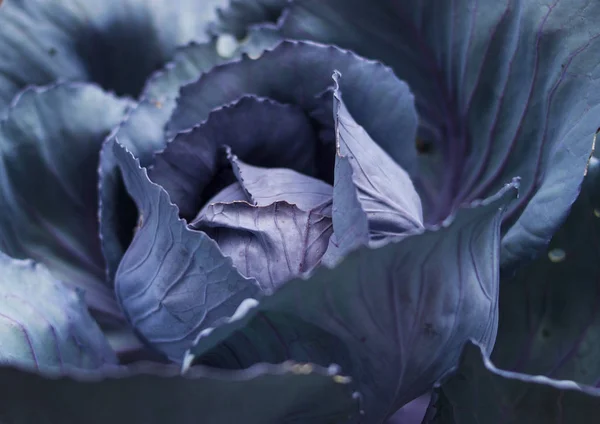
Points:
x=503 y=89
x=369 y=185
x=264 y=186
x=297 y=73
x=261 y=132
x=146 y=393
x=172 y=281
x=269 y=243
x=44 y=325
x=142 y=133
x=477 y=392
x=49 y=145
x=395 y=318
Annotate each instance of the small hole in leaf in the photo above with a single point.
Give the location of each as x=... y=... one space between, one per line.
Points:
x=423 y=146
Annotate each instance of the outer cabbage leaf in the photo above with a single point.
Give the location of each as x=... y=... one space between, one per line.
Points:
x=258 y=39
x=298 y=73
x=502 y=88
x=145 y=394
x=395 y=318
x=239 y=15
x=142 y=133
x=49 y=144
x=44 y=325
x=114 y=43
x=550 y=316
x=478 y=392
x=173 y=281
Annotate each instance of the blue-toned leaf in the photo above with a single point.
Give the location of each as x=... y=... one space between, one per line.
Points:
x=260 y=131
x=172 y=281
x=477 y=392
x=44 y=325
x=368 y=182
x=351 y=225
x=297 y=73
x=395 y=318
x=239 y=15
x=264 y=186
x=187 y=64
x=411 y=413
x=142 y=133
x=269 y=243
x=49 y=145
x=550 y=319
x=503 y=89
x=259 y=39
x=147 y=394
x=115 y=43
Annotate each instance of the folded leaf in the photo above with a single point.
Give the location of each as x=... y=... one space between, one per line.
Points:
x=260 y=131
x=370 y=188
x=478 y=392
x=297 y=73
x=151 y=394
x=142 y=133
x=264 y=186
x=172 y=281
x=49 y=145
x=269 y=243
x=114 y=43
x=395 y=318
x=503 y=88
x=44 y=325
x=550 y=320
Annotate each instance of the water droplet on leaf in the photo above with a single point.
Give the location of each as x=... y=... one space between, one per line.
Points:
x=557 y=255
x=226 y=45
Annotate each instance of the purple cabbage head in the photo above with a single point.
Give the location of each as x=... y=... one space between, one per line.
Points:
x=315 y=211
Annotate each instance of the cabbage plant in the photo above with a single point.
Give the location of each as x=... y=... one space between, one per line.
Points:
x=307 y=211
